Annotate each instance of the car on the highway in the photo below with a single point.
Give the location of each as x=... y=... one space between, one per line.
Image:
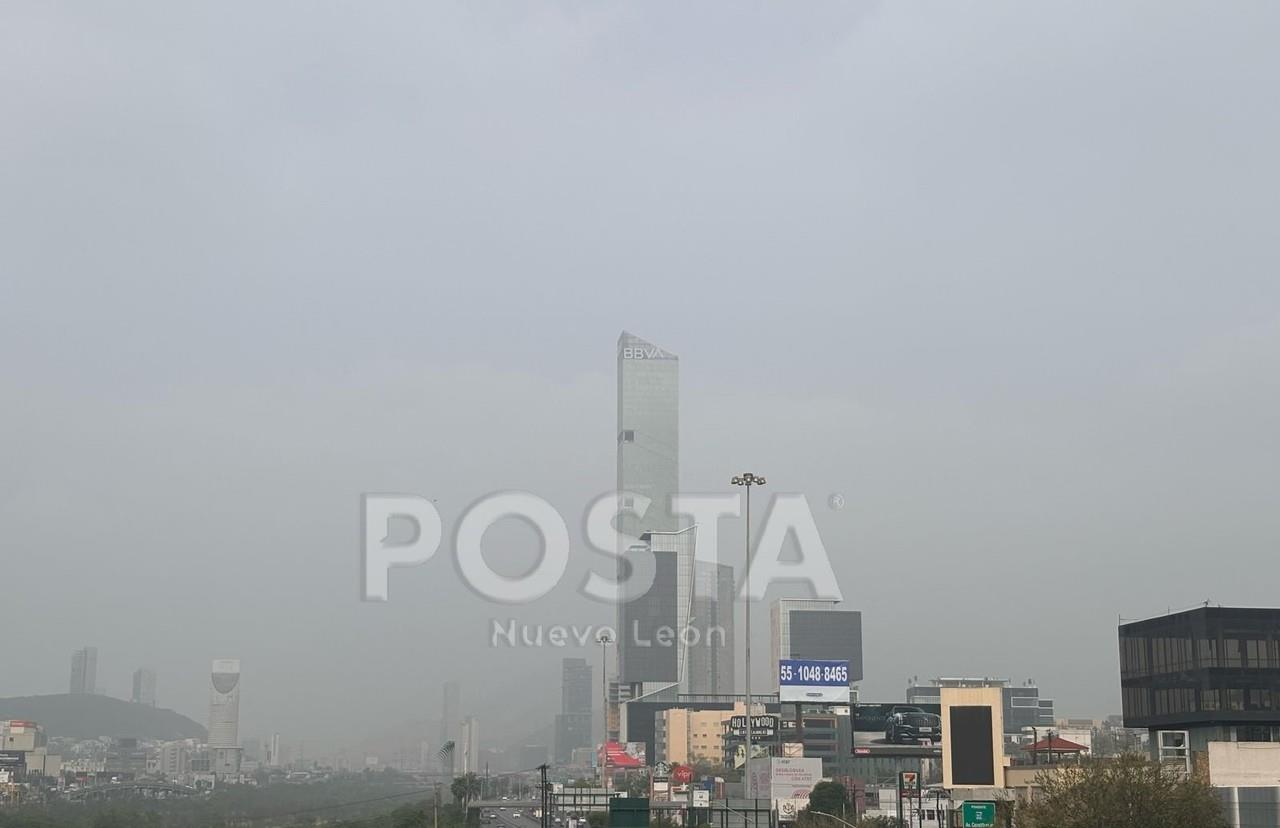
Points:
x=912 y=727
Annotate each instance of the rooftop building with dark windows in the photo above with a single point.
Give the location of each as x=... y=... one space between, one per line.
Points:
x=810 y=628
x=1213 y=672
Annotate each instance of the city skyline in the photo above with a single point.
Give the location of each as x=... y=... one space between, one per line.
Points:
x=390 y=391
x=992 y=288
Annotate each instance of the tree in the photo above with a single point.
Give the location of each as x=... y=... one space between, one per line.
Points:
x=636 y=784
x=879 y=822
x=410 y=816
x=1131 y=791
x=465 y=788
x=829 y=798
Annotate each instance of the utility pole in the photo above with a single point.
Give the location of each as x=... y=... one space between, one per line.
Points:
x=546 y=817
x=919 y=797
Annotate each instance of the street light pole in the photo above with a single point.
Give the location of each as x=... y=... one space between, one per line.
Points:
x=605 y=640
x=748 y=479
x=832 y=816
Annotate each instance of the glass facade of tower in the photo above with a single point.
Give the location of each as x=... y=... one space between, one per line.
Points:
x=648 y=467
x=648 y=433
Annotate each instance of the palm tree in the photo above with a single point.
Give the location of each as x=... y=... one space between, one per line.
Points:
x=465 y=788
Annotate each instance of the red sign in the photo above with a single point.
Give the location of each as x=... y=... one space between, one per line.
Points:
x=615 y=755
x=682 y=774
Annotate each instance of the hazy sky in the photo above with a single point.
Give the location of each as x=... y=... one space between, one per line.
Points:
x=1004 y=274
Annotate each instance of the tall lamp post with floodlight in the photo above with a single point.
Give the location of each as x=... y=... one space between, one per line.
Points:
x=748 y=479
x=604 y=640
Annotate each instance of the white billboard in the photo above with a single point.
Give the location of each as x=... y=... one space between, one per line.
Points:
x=786 y=778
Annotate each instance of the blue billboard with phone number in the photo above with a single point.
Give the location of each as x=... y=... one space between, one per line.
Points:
x=811 y=680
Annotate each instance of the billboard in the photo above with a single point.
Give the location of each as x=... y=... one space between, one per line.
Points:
x=972 y=737
x=618 y=755
x=874 y=716
x=812 y=680
x=762 y=726
x=788 y=779
x=971 y=754
x=758 y=751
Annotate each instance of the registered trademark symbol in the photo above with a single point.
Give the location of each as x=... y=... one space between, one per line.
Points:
x=836 y=501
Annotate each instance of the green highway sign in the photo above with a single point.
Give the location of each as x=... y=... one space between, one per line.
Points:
x=978 y=814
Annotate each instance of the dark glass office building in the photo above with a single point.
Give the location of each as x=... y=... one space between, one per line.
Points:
x=1212 y=671
x=817 y=629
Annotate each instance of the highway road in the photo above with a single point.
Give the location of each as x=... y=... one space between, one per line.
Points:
x=510 y=818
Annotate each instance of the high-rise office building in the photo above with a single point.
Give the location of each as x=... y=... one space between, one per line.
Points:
x=224 y=717
x=144 y=687
x=653 y=652
x=711 y=657
x=573 y=724
x=224 y=703
x=470 y=746
x=676 y=635
x=450 y=727
x=806 y=628
x=575 y=686
x=84 y=671
x=648 y=432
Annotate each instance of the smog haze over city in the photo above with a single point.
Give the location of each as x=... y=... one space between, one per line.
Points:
x=993 y=286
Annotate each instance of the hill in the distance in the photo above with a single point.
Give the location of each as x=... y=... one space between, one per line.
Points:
x=94 y=717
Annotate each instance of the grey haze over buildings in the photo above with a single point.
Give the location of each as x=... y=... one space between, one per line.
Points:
x=1003 y=275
